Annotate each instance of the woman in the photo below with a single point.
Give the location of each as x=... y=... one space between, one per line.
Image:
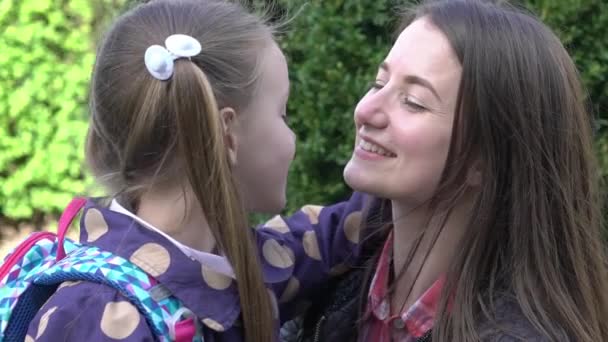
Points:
x=476 y=140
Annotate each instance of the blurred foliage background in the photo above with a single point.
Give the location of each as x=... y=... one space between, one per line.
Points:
x=333 y=48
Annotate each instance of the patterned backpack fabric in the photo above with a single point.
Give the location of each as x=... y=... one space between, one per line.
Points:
x=31 y=273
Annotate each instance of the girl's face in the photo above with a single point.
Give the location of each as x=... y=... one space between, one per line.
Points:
x=404 y=122
x=265 y=144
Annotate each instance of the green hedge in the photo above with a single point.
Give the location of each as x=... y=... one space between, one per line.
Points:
x=45 y=63
x=333 y=47
x=44 y=68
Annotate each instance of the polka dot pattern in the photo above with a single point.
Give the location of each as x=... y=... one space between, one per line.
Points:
x=214 y=279
x=293 y=286
x=311 y=246
x=290 y=254
x=277 y=255
x=152 y=258
x=213 y=324
x=44 y=321
x=119 y=320
x=277 y=224
x=313 y=212
x=352 y=226
x=95 y=225
x=68 y=284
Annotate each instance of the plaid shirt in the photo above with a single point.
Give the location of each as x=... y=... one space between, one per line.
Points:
x=410 y=324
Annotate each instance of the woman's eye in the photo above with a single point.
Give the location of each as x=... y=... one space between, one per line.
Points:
x=413 y=106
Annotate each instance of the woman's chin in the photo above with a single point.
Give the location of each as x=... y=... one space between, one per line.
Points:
x=357 y=179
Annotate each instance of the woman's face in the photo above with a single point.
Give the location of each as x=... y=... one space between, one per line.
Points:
x=404 y=122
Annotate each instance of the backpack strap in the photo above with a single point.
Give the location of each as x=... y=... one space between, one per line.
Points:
x=68 y=215
x=168 y=318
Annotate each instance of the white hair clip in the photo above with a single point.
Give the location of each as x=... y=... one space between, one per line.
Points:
x=159 y=60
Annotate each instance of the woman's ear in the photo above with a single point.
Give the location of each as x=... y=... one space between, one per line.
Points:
x=229 y=123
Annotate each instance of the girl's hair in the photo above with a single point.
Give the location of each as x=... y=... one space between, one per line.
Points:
x=534 y=239
x=145 y=132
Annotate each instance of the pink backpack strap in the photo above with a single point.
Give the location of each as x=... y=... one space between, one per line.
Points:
x=68 y=215
x=185 y=330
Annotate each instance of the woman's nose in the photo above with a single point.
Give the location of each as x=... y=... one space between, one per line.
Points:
x=371 y=111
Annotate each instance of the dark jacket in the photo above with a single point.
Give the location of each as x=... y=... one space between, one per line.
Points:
x=334 y=317
x=334 y=313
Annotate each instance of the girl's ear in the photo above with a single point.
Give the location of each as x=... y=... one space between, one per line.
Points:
x=229 y=122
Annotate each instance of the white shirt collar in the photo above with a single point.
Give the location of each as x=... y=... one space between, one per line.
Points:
x=215 y=262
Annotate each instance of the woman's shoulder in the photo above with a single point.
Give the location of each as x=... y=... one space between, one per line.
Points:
x=509 y=323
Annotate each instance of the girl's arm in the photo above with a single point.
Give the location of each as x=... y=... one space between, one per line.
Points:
x=301 y=252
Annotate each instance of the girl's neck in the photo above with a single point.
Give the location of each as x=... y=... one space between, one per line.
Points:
x=431 y=258
x=175 y=211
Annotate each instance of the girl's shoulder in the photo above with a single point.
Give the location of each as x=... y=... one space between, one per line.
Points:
x=85 y=311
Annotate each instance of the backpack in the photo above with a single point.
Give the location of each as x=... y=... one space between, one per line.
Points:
x=32 y=272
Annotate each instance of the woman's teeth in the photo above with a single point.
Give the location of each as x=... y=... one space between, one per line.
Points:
x=373 y=148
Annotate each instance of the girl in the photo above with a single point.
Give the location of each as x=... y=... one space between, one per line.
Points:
x=475 y=137
x=188 y=134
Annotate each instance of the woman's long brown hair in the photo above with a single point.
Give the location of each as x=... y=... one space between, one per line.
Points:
x=535 y=234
